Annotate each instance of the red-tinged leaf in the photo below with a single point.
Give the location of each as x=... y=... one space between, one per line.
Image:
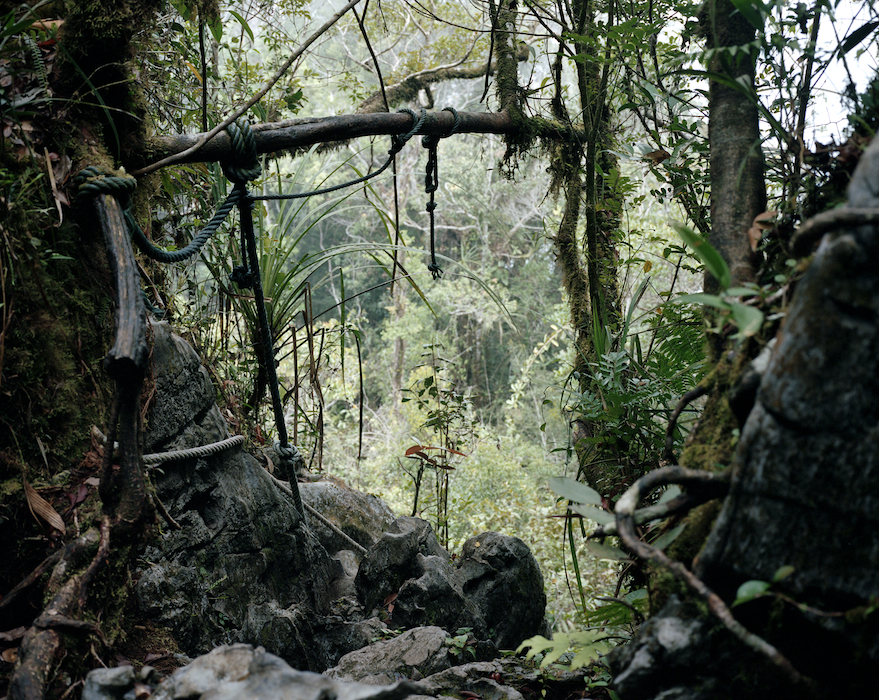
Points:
x=415 y=448
x=467 y=695
x=447 y=467
x=389 y=598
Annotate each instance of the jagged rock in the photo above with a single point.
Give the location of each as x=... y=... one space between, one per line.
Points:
x=308 y=640
x=414 y=654
x=361 y=516
x=500 y=576
x=242 y=542
x=473 y=678
x=114 y=683
x=668 y=654
x=497 y=590
x=240 y=672
x=393 y=559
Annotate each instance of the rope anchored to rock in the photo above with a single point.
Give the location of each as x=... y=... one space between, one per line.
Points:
x=240 y=169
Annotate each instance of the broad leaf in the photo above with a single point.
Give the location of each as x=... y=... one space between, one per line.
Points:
x=703 y=250
x=574 y=491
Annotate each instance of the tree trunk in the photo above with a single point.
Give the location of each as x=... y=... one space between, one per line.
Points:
x=738 y=193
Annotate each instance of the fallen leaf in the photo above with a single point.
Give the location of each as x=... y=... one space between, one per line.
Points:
x=10 y=656
x=40 y=506
x=93 y=481
x=142 y=691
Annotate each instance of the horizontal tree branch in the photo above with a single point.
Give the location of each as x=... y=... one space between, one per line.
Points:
x=302 y=133
x=408 y=88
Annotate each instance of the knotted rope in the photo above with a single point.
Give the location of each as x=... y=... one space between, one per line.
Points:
x=431 y=184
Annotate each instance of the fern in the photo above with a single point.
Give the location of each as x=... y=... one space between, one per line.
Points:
x=37 y=59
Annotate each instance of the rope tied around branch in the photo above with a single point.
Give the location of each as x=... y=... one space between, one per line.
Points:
x=431 y=184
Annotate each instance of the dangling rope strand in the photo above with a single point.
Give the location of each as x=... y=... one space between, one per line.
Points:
x=431 y=184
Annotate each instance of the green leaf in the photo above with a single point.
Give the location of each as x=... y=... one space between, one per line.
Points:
x=748 y=319
x=574 y=491
x=216 y=27
x=671 y=492
x=752 y=10
x=669 y=537
x=782 y=573
x=703 y=299
x=703 y=250
x=243 y=22
x=596 y=515
x=750 y=590
x=605 y=551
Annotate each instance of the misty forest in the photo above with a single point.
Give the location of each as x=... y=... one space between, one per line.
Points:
x=477 y=349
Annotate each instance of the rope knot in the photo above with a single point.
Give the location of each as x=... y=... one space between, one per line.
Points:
x=94 y=180
x=244 y=164
x=289 y=458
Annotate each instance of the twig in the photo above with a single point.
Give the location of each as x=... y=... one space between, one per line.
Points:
x=163 y=511
x=625 y=510
x=680 y=504
x=691 y=395
x=69 y=551
x=97 y=563
x=253 y=100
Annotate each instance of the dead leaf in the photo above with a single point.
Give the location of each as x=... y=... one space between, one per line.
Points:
x=656 y=157
x=10 y=656
x=93 y=481
x=762 y=222
x=56 y=193
x=40 y=506
x=142 y=691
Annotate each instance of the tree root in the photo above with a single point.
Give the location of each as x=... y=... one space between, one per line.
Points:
x=625 y=512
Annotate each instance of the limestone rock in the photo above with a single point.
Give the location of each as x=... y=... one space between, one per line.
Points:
x=414 y=654
x=361 y=516
x=240 y=672
x=242 y=542
x=393 y=559
x=500 y=576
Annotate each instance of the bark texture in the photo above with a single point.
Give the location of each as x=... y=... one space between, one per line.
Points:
x=738 y=192
x=805 y=494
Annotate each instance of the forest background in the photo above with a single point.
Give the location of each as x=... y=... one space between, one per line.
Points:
x=390 y=385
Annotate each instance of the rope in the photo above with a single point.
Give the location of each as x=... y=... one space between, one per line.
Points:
x=162 y=457
x=284 y=488
x=431 y=184
x=94 y=181
x=202 y=451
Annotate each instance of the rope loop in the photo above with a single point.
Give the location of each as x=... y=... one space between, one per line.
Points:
x=94 y=180
x=243 y=166
x=399 y=140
